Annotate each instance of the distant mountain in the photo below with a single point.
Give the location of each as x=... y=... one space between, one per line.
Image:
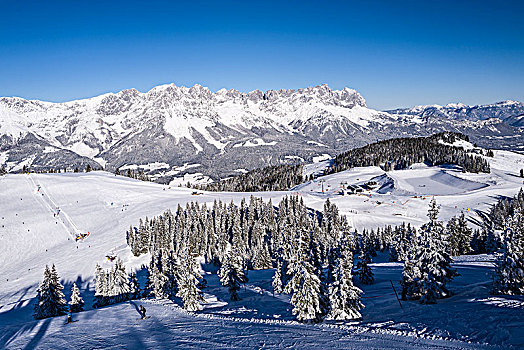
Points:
x=507 y=111
x=170 y=130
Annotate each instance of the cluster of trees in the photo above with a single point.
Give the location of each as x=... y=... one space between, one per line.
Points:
x=271 y=178
x=134 y=174
x=87 y=169
x=400 y=153
x=504 y=229
x=51 y=299
x=115 y=285
x=504 y=209
x=173 y=275
x=509 y=272
x=312 y=252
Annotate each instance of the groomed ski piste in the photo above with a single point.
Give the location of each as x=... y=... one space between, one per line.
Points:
x=105 y=205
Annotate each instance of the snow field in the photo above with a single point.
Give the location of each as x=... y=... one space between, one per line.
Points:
x=106 y=205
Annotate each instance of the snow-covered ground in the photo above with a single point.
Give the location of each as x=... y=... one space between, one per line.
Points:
x=105 y=205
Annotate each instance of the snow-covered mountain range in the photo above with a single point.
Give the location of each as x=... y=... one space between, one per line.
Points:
x=171 y=129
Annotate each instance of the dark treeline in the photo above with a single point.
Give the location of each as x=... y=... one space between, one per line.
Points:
x=87 y=169
x=271 y=178
x=133 y=174
x=400 y=153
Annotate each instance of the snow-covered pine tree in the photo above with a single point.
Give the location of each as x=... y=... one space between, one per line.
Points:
x=432 y=258
x=134 y=287
x=509 y=273
x=304 y=284
x=101 y=297
x=171 y=269
x=76 y=303
x=120 y=286
x=51 y=301
x=148 y=287
x=263 y=258
x=478 y=242
x=232 y=273
x=430 y=289
x=188 y=284
x=344 y=296
x=460 y=235
x=363 y=271
x=277 y=279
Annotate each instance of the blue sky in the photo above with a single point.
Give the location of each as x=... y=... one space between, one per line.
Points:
x=396 y=53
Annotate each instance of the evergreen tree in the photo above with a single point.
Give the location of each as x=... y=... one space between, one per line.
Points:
x=432 y=263
x=460 y=235
x=76 y=303
x=134 y=287
x=363 y=271
x=344 y=296
x=120 y=287
x=231 y=273
x=304 y=285
x=51 y=301
x=188 y=285
x=277 y=279
x=100 y=287
x=509 y=273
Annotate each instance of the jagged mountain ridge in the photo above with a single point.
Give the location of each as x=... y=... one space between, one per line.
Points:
x=223 y=132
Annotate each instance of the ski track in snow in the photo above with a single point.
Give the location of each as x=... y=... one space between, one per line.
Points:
x=48 y=202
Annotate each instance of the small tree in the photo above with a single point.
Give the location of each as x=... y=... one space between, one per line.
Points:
x=134 y=287
x=460 y=235
x=344 y=296
x=231 y=273
x=101 y=296
x=363 y=271
x=509 y=273
x=304 y=284
x=188 y=285
x=277 y=279
x=76 y=303
x=51 y=301
x=120 y=286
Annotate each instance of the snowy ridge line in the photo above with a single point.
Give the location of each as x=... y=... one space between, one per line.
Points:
x=357 y=329
x=69 y=225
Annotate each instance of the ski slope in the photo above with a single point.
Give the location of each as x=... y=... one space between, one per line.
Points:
x=105 y=205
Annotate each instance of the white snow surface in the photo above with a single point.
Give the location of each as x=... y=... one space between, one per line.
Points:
x=106 y=205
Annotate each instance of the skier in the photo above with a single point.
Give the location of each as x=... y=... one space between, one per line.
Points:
x=69 y=316
x=142 y=311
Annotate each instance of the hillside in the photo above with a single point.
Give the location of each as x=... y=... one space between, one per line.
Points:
x=104 y=205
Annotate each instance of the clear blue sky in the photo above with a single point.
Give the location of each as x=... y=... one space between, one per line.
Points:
x=396 y=53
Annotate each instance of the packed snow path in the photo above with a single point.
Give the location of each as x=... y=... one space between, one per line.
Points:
x=169 y=327
x=58 y=214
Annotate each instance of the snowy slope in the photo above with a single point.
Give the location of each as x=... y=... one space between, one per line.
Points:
x=31 y=235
